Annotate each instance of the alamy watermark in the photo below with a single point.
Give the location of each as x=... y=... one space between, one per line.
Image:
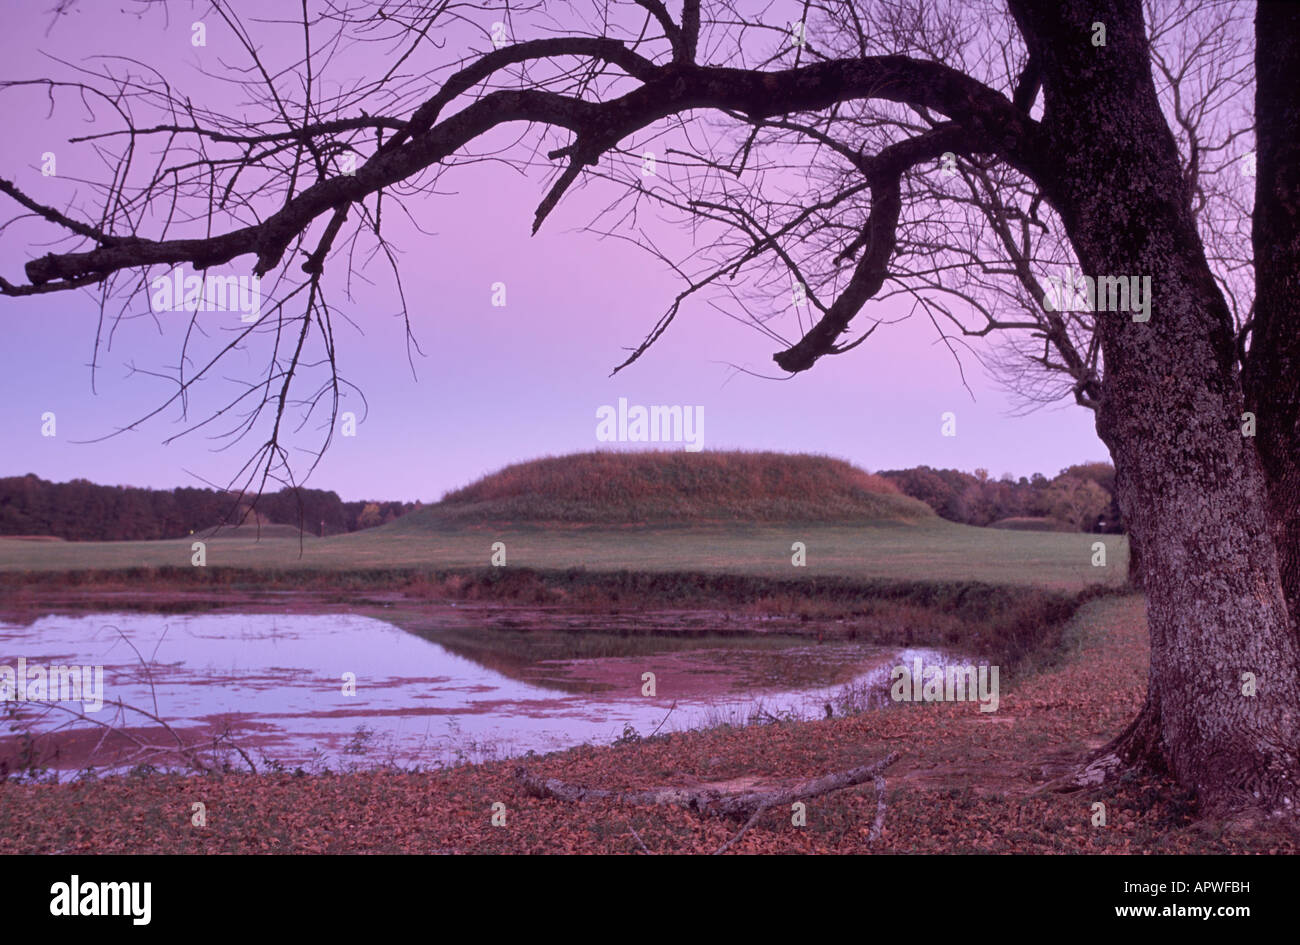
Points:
x=37 y=683
x=657 y=424
x=79 y=898
x=1075 y=292
x=951 y=683
x=205 y=292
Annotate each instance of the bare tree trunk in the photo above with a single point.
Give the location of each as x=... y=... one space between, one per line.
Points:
x=1134 y=549
x=1135 y=579
x=1193 y=491
x=1272 y=375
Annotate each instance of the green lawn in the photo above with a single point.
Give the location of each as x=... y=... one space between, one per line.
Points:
x=933 y=551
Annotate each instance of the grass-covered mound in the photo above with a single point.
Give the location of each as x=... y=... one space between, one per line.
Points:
x=662 y=487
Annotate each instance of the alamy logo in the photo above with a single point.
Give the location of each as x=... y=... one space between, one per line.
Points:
x=660 y=424
x=36 y=683
x=1076 y=292
x=177 y=292
x=951 y=683
x=78 y=898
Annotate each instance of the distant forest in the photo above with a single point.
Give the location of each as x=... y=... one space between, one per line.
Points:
x=1080 y=498
x=83 y=511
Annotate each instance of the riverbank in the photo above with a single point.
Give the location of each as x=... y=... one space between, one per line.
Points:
x=999 y=622
x=480 y=666
x=965 y=781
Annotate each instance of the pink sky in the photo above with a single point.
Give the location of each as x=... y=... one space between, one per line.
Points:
x=497 y=385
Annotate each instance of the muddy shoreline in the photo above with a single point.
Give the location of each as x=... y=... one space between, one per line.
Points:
x=441 y=614
x=699 y=654
x=542 y=630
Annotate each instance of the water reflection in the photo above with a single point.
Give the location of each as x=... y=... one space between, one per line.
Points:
x=278 y=683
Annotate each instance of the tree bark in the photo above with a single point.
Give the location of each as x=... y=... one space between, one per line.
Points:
x=1193 y=491
x=1134 y=549
x=1272 y=373
x=1134 y=564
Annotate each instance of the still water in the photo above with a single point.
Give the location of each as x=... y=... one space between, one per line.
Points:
x=344 y=690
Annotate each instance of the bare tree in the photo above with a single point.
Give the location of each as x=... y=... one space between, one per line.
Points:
x=1060 y=152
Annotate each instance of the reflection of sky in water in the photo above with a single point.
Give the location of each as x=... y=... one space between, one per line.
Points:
x=282 y=676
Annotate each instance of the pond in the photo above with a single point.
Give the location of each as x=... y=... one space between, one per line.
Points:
x=341 y=690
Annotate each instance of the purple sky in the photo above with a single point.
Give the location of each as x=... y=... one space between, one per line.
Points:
x=497 y=385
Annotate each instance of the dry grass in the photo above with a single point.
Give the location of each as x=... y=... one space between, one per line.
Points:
x=676 y=487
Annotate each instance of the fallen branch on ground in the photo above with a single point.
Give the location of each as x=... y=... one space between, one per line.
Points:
x=713 y=802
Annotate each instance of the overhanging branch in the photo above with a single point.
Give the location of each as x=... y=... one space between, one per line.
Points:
x=877 y=241
x=991 y=121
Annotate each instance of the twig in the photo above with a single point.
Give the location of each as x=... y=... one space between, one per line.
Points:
x=879 y=825
x=665 y=719
x=639 y=840
x=736 y=839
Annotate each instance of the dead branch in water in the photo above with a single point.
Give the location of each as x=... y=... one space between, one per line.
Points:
x=141 y=751
x=713 y=802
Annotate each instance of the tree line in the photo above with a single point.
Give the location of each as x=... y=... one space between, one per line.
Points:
x=84 y=511
x=1080 y=498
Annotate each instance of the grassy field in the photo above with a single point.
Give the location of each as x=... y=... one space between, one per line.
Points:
x=728 y=512
x=930 y=551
